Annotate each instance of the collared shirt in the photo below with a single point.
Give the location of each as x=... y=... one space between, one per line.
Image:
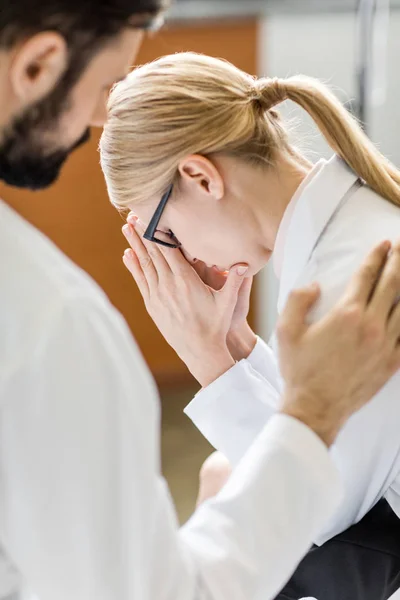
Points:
x=84 y=511
x=333 y=225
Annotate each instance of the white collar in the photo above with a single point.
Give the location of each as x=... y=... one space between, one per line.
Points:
x=279 y=246
x=314 y=204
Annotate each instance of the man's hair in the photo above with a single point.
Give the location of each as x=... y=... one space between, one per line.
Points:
x=86 y=25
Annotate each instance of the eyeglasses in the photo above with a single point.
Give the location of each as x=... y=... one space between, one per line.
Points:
x=150 y=232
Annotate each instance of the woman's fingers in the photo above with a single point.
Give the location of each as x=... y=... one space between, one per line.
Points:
x=245 y=291
x=241 y=310
x=151 y=259
x=394 y=324
x=154 y=250
x=132 y=263
x=229 y=293
x=177 y=262
x=164 y=256
x=145 y=260
x=364 y=281
x=387 y=289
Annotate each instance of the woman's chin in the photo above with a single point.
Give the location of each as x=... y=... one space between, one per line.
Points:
x=254 y=268
x=254 y=271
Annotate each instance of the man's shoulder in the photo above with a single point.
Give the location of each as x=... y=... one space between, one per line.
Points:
x=34 y=266
x=37 y=280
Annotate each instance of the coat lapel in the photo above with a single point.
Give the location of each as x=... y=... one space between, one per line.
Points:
x=313 y=210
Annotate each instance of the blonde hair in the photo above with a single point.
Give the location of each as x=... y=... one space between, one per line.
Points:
x=193 y=104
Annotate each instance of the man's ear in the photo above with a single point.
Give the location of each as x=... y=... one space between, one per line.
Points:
x=199 y=170
x=37 y=66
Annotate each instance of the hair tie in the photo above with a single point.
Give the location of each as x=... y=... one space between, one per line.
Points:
x=268 y=92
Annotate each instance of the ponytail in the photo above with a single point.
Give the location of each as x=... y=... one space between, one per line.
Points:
x=340 y=129
x=188 y=103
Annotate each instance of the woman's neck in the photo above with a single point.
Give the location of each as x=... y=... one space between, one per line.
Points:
x=277 y=188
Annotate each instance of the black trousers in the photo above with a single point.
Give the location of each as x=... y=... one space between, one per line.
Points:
x=362 y=563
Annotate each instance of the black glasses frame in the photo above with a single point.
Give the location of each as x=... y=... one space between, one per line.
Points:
x=151 y=230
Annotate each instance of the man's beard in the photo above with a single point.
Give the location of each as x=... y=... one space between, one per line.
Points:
x=24 y=160
x=27 y=160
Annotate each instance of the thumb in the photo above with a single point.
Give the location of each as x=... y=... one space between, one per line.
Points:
x=233 y=283
x=245 y=290
x=299 y=304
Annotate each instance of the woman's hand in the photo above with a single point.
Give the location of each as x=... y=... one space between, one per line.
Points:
x=241 y=339
x=333 y=367
x=193 y=317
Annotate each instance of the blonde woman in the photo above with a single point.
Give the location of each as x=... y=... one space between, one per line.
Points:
x=196 y=149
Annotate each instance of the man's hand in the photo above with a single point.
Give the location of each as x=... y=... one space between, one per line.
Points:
x=333 y=367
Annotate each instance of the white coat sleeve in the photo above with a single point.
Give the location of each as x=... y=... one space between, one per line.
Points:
x=263 y=360
x=233 y=410
x=84 y=511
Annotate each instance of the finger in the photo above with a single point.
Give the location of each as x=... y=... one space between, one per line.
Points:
x=293 y=317
x=161 y=265
x=229 y=293
x=153 y=249
x=388 y=287
x=394 y=324
x=157 y=252
x=177 y=262
x=245 y=290
x=146 y=262
x=132 y=219
x=131 y=262
x=395 y=362
x=364 y=281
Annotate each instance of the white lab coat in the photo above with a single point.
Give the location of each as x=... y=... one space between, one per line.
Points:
x=84 y=511
x=329 y=227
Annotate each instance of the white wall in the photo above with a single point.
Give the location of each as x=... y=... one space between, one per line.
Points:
x=385 y=119
x=324 y=46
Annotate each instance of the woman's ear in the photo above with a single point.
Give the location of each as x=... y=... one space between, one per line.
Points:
x=37 y=66
x=198 y=171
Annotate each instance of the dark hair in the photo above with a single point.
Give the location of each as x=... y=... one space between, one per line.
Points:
x=86 y=25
